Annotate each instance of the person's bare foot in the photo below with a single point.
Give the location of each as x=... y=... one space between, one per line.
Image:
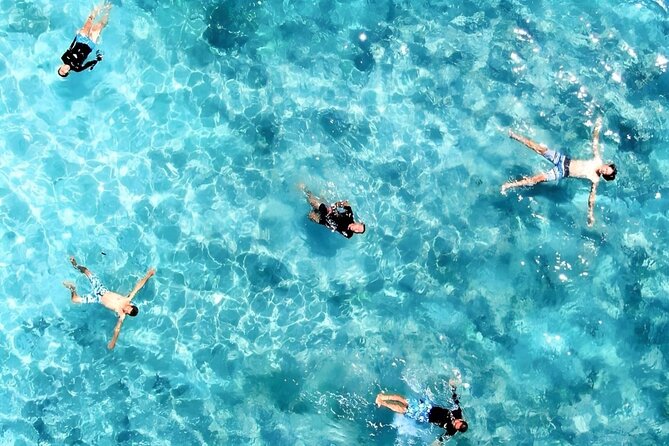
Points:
x=81 y=269
x=69 y=285
x=378 y=400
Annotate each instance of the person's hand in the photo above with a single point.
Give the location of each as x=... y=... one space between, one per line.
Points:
x=345 y=203
x=98 y=55
x=150 y=273
x=591 y=220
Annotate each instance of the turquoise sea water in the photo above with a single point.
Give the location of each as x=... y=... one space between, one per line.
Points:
x=182 y=149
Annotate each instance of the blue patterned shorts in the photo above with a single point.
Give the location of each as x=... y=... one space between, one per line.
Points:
x=561 y=163
x=418 y=410
x=98 y=290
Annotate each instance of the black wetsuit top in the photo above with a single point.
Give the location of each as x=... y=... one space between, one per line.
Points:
x=452 y=414
x=76 y=55
x=337 y=219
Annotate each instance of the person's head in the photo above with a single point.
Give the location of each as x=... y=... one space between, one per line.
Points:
x=608 y=171
x=131 y=310
x=64 y=70
x=460 y=425
x=358 y=228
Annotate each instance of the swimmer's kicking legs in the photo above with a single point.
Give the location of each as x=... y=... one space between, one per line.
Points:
x=314 y=202
x=396 y=403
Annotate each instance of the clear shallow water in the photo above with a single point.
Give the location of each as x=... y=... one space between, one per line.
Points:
x=182 y=150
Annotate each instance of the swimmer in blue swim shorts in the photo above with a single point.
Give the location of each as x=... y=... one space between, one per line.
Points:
x=121 y=305
x=423 y=411
x=565 y=167
x=85 y=42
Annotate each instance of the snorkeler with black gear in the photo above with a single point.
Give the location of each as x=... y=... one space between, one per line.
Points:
x=84 y=43
x=337 y=217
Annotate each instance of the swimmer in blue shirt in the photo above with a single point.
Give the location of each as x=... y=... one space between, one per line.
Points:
x=424 y=411
x=85 y=42
x=565 y=167
x=121 y=305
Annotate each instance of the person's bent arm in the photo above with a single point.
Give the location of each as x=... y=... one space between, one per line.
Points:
x=591 y=204
x=595 y=138
x=141 y=283
x=117 y=331
x=90 y=64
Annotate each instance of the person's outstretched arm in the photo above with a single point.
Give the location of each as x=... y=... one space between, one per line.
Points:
x=117 y=331
x=595 y=138
x=141 y=283
x=530 y=181
x=591 y=204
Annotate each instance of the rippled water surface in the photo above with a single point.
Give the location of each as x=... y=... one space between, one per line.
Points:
x=183 y=148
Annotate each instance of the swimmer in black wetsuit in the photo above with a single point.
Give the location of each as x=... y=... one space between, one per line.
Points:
x=85 y=43
x=336 y=217
x=424 y=411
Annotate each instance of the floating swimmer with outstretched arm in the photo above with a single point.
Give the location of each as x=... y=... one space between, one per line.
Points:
x=121 y=305
x=565 y=167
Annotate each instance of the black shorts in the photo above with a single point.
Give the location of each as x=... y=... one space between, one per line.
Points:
x=322 y=213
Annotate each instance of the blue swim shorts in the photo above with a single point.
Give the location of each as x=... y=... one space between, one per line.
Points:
x=98 y=290
x=561 y=163
x=418 y=410
x=86 y=41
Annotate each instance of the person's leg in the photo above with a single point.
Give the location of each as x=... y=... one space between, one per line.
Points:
x=96 y=284
x=556 y=158
x=315 y=216
x=396 y=403
x=313 y=201
x=529 y=181
x=86 y=29
x=98 y=27
x=75 y=297
x=529 y=143
x=82 y=269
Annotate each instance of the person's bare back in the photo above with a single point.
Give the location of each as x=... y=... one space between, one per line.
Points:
x=115 y=302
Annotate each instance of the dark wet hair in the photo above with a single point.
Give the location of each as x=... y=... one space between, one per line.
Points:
x=613 y=175
x=364 y=228
x=134 y=311
x=463 y=427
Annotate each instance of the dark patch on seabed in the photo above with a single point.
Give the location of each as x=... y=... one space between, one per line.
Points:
x=231 y=25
